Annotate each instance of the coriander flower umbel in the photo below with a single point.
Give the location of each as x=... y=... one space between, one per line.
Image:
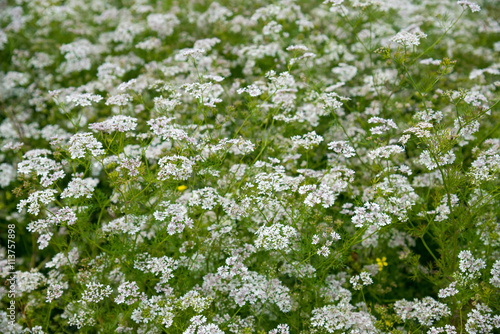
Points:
x=253 y=90
x=119 y=100
x=160 y=266
x=299 y=47
x=128 y=293
x=163 y=24
x=307 y=141
x=207 y=198
x=83 y=100
x=34 y=200
x=161 y=127
x=178 y=217
x=80 y=188
x=342 y=147
x=362 y=279
x=495 y=274
x=275 y=237
x=426 y=311
x=469 y=268
x=406 y=38
x=132 y=165
x=429 y=162
x=129 y=224
x=474 y=7
x=81 y=143
x=27 y=281
x=481 y=320
x=281 y=329
x=169 y=166
x=385 y=152
x=386 y=125
x=195 y=53
x=36 y=161
x=118 y=123
x=54 y=291
x=370 y=214
x=96 y=292
x=448 y=291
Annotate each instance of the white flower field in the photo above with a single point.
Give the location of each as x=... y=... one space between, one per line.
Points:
x=269 y=167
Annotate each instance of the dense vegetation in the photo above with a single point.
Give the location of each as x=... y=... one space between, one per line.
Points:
x=249 y=166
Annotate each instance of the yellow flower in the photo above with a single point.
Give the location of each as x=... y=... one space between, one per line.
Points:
x=381 y=263
x=182 y=187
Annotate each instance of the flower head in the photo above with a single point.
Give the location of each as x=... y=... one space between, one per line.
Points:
x=381 y=262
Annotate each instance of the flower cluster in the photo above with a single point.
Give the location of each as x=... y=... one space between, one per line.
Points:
x=284 y=166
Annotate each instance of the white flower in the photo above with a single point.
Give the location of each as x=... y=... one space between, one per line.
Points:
x=272 y=28
x=448 y=329
x=148 y=44
x=116 y=123
x=127 y=85
x=275 y=237
x=83 y=100
x=119 y=100
x=62 y=259
x=426 y=160
x=179 y=218
x=80 y=188
x=474 y=7
x=387 y=124
x=81 y=143
x=342 y=318
x=406 y=38
x=127 y=293
x=342 y=147
x=178 y=167
x=281 y=329
x=360 y=280
x=323 y=251
x=36 y=161
x=469 y=268
x=252 y=90
x=163 y=266
x=331 y=101
x=131 y=165
x=161 y=127
x=54 y=291
x=163 y=104
x=207 y=198
x=307 y=141
x=449 y=291
x=163 y=24
x=7 y=174
x=481 y=320
x=27 y=281
x=96 y=292
x=370 y=214
x=34 y=200
x=420 y=130
x=129 y=224
x=495 y=274
x=385 y=152
x=426 y=311
x=299 y=47
x=194 y=53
